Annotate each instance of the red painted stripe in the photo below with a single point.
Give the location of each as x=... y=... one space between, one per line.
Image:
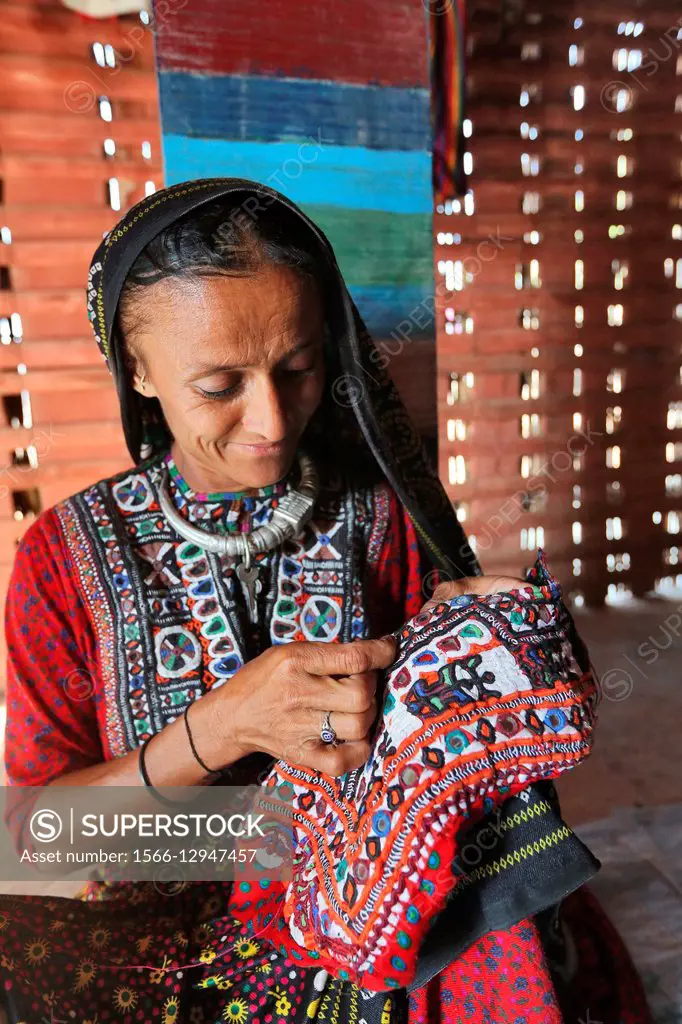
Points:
x=363 y=41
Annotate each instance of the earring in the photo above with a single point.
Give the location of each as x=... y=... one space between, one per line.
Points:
x=143 y=381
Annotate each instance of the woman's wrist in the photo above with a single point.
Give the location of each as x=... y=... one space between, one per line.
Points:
x=214 y=730
x=170 y=759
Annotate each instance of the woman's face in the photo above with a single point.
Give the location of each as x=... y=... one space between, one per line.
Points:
x=237 y=364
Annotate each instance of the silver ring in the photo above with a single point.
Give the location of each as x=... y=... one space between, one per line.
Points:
x=327 y=734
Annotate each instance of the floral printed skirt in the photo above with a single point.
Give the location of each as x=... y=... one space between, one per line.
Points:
x=130 y=953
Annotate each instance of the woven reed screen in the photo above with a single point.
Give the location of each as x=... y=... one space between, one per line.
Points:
x=79 y=143
x=560 y=398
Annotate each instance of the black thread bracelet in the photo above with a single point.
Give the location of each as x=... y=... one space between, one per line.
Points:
x=210 y=771
x=144 y=775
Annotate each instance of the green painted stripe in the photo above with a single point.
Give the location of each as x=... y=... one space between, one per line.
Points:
x=378 y=248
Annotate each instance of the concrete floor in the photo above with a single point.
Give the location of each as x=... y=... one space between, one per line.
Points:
x=636 y=649
x=625 y=802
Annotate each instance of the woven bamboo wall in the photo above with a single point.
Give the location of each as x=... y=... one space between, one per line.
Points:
x=79 y=141
x=560 y=301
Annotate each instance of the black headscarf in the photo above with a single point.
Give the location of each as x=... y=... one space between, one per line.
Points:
x=535 y=860
x=366 y=400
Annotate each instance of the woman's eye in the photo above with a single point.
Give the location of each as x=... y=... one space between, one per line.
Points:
x=301 y=369
x=223 y=393
x=234 y=389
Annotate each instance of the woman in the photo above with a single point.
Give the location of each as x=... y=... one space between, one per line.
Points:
x=252 y=397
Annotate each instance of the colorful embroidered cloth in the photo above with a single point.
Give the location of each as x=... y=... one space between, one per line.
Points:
x=488 y=694
x=143 y=956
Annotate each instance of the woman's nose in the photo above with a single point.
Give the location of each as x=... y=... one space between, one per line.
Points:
x=265 y=414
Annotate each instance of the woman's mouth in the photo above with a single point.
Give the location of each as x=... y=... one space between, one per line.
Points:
x=278 y=448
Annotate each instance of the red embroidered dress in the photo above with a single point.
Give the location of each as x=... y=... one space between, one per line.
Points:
x=114 y=625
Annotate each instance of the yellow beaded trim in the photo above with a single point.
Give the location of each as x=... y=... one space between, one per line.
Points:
x=119 y=233
x=512 y=859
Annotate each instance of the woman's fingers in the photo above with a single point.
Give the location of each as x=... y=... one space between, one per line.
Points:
x=352 y=659
x=298 y=684
x=334 y=761
x=352 y=710
x=477 y=585
x=480 y=585
x=352 y=694
x=346 y=726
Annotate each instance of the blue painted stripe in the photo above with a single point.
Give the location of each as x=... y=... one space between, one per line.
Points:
x=385 y=310
x=253 y=108
x=313 y=172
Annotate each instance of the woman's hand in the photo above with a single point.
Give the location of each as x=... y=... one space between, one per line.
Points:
x=473 y=585
x=276 y=703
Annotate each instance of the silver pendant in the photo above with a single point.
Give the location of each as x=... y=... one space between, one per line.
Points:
x=248 y=577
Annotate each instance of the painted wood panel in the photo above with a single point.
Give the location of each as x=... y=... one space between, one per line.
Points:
x=355 y=41
x=333 y=110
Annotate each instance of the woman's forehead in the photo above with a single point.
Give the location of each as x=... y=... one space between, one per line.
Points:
x=272 y=288
x=223 y=320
